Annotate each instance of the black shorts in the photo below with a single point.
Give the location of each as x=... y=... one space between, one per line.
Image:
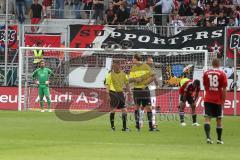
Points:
x=189 y=99
x=213 y=110
x=117 y=100
x=142 y=97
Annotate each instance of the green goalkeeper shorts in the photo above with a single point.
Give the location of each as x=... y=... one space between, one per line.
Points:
x=43 y=90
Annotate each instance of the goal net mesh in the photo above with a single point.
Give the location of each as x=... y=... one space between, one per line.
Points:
x=79 y=74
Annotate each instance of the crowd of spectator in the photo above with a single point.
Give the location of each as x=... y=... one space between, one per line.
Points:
x=133 y=12
x=165 y=12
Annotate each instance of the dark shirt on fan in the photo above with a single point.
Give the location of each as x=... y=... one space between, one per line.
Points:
x=99 y=6
x=122 y=15
x=222 y=21
x=36 y=11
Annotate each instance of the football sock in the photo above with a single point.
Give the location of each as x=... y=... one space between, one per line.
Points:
x=141 y=117
x=112 y=114
x=49 y=102
x=154 y=117
x=194 y=118
x=181 y=115
x=219 y=133
x=41 y=103
x=207 y=130
x=124 y=120
x=136 y=113
x=149 y=115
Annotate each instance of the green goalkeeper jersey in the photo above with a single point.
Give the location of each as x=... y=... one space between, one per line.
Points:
x=42 y=75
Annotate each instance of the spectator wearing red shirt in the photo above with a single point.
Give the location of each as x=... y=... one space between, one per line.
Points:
x=176 y=4
x=141 y=4
x=46 y=4
x=215 y=83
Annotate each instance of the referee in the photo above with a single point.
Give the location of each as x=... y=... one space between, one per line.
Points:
x=141 y=75
x=116 y=80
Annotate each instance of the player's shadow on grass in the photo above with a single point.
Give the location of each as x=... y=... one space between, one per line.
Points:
x=68 y=115
x=65 y=112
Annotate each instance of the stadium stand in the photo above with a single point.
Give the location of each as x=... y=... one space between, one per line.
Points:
x=200 y=12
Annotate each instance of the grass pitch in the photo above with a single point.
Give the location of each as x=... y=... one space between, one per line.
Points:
x=42 y=136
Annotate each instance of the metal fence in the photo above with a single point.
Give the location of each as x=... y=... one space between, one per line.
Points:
x=69 y=14
x=166 y=31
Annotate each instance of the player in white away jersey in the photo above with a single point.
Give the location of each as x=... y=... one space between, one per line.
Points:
x=152 y=87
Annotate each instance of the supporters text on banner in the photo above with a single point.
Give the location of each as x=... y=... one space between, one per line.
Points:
x=84 y=36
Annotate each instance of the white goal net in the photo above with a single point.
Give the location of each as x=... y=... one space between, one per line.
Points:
x=79 y=73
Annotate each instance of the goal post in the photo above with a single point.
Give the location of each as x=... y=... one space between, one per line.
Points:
x=70 y=65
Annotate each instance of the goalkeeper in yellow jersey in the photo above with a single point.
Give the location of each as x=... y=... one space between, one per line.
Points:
x=116 y=80
x=41 y=75
x=141 y=75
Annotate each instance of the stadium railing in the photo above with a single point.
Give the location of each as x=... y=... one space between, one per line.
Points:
x=10 y=16
x=161 y=30
x=68 y=14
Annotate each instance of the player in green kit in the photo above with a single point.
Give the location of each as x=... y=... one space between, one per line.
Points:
x=41 y=75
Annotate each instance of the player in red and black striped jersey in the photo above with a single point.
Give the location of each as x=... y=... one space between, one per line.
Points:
x=215 y=83
x=188 y=91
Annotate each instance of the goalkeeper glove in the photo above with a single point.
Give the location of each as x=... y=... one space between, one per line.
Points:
x=47 y=82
